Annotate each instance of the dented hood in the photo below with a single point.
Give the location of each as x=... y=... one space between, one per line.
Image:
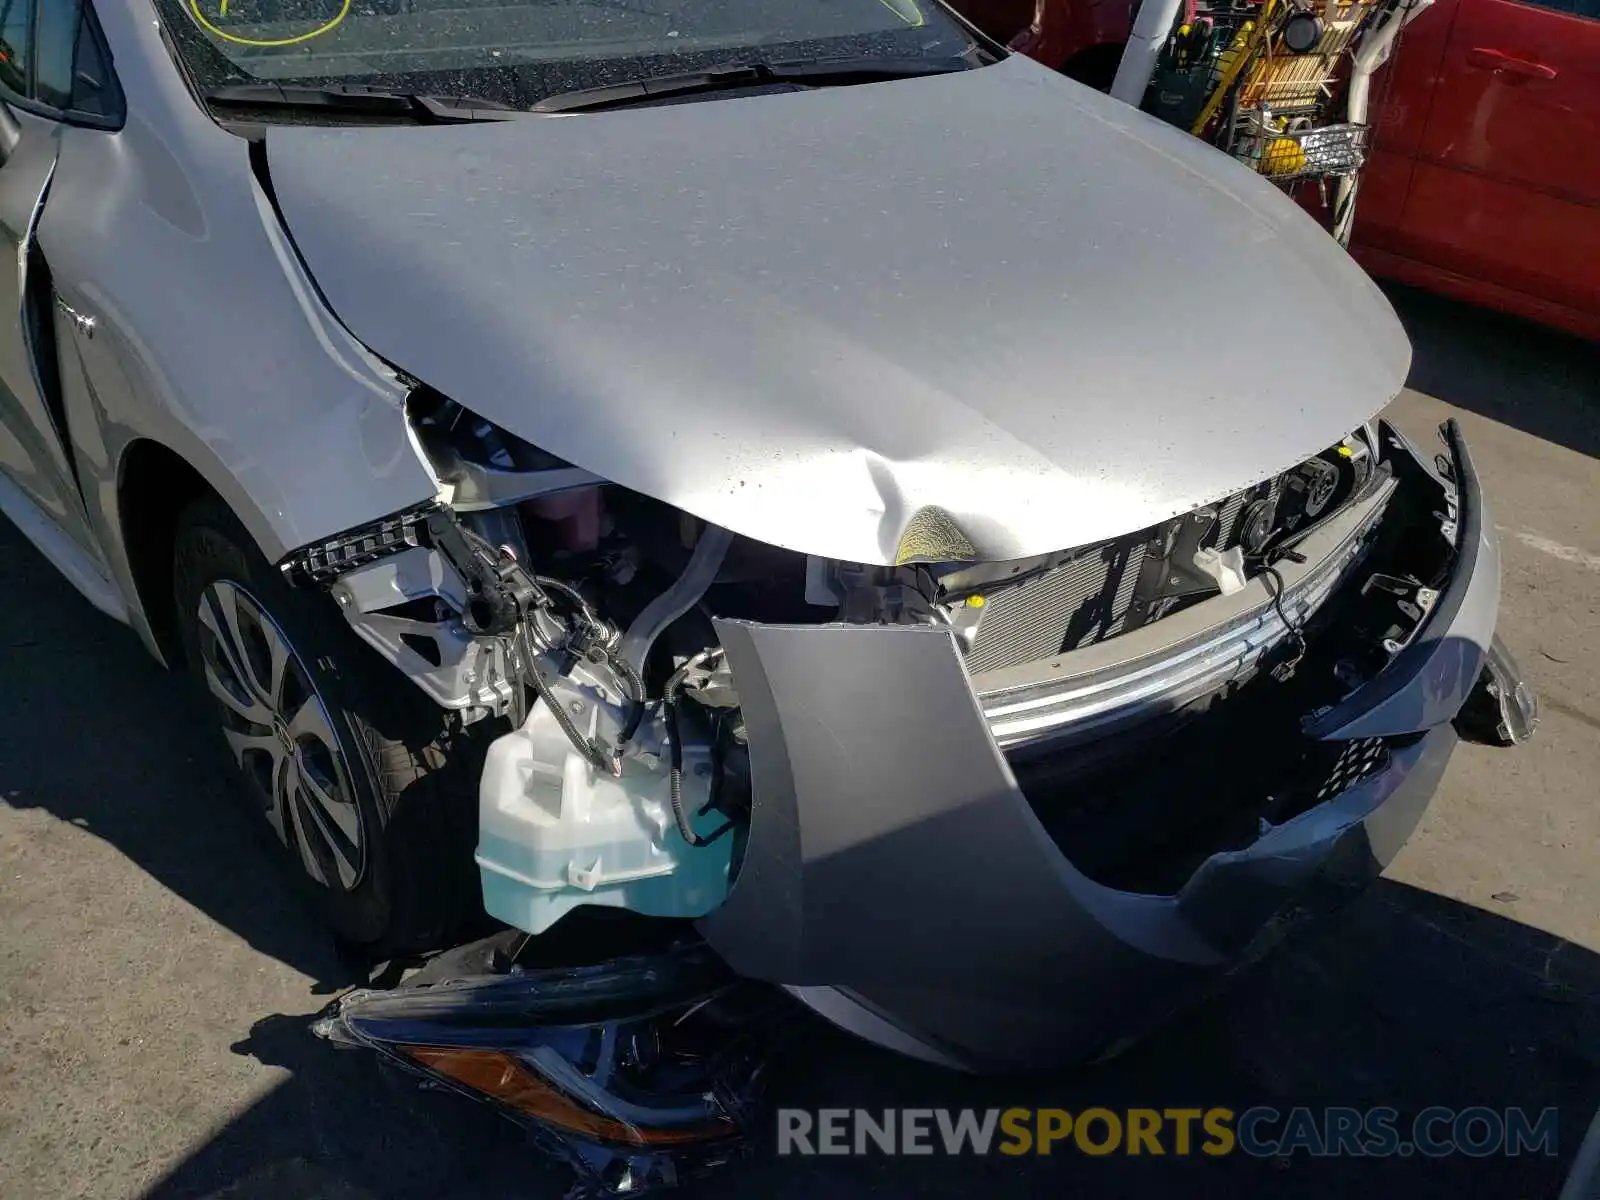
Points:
x=808 y=315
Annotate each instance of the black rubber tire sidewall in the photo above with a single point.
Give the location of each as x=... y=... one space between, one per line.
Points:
x=396 y=746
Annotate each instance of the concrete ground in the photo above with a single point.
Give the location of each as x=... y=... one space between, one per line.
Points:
x=154 y=977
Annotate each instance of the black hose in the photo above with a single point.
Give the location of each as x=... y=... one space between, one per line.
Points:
x=597 y=755
x=571 y=593
x=675 y=775
x=718 y=760
x=626 y=670
x=669 y=710
x=1293 y=626
x=623 y=667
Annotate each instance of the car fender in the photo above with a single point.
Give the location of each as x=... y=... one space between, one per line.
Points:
x=207 y=337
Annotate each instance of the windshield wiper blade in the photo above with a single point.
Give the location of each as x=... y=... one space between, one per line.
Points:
x=806 y=72
x=360 y=101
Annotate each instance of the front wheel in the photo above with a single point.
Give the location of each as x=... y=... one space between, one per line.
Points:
x=364 y=786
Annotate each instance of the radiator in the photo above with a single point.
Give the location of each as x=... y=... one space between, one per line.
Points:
x=1082 y=601
x=1073 y=605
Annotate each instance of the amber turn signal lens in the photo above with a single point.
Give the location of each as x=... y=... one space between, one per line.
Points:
x=498 y=1074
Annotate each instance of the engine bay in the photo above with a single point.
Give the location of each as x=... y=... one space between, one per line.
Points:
x=577 y=616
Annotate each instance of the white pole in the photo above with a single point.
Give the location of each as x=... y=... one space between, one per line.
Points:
x=1369 y=56
x=1150 y=31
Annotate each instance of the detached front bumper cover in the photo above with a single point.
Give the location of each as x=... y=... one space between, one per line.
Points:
x=897 y=879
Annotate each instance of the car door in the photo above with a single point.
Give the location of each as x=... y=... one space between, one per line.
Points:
x=1506 y=188
x=1402 y=98
x=38 y=66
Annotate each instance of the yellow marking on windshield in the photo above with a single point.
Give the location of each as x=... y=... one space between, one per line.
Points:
x=329 y=27
x=907 y=11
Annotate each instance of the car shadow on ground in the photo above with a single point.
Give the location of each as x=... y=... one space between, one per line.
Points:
x=101 y=737
x=1523 y=375
x=1405 y=999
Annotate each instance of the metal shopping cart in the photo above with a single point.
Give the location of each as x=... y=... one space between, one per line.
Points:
x=1281 y=85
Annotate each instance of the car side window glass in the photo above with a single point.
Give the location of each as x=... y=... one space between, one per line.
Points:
x=94 y=84
x=1579 y=8
x=55 y=49
x=16 y=31
x=71 y=71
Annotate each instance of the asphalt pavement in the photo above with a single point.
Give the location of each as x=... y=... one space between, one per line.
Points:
x=156 y=976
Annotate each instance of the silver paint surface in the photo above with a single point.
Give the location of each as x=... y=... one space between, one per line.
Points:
x=805 y=316
x=208 y=341
x=990 y=948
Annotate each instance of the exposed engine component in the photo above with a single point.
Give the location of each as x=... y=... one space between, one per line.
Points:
x=1010 y=614
x=1225 y=567
x=555 y=831
x=407 y=606
x=1317 y=487
x=1257 y=526
x=574 y=518
x=595 y=794
x=500 y=592
x=594 y=798
x=1307 y=490
x=678 y=599
x=887 y=595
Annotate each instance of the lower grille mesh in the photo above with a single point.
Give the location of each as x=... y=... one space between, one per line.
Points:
x=1356 y=761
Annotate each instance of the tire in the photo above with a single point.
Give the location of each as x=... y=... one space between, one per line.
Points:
x=369 y=788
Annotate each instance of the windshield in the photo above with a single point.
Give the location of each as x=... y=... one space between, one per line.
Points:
x=520 y=51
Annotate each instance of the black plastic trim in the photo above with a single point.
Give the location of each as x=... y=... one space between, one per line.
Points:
x=1410 y=661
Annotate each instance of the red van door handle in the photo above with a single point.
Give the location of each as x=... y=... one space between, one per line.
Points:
x=1502 y=63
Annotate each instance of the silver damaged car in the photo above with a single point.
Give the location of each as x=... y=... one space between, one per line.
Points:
x=784 y=469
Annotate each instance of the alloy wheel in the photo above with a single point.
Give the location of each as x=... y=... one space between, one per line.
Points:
x=281 y=735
